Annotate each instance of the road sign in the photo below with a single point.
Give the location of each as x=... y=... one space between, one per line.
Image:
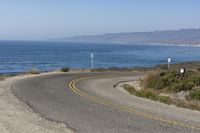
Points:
x=92 y=60
x=92 y=55
x=169 y=60
x=182 y=70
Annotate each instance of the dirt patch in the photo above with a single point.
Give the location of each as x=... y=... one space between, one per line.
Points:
x=2 y=78
x=17 y=117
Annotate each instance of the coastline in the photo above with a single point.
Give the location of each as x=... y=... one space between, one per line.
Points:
x=157 y=44
x=190 y=65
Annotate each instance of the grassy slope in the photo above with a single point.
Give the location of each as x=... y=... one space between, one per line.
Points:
x=170 y=82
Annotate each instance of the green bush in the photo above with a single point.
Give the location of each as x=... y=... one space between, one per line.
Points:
x=150 y=81
x=195 y=94
x=65 y=69
x=173 y=81
x=130 y=89
x=146 y=93
x=181 y=86
x=196 y=79
x=165 y=99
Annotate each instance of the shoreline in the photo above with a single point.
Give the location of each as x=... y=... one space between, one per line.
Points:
x=157 y=44
x=190 y=65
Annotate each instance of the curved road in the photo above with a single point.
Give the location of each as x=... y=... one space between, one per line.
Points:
x=88 y=103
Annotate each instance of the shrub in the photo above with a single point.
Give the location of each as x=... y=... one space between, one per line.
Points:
x=141 y=93
x=33 y=71
x=196 y=79
x=150 y=80
x=181 y=86
x=165 y=99
x=130 y=89
x=195 y=94
x=146 y=93
x=65 y=69
x=172 y=81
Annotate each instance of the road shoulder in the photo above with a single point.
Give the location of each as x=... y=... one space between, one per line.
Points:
x=17 y=117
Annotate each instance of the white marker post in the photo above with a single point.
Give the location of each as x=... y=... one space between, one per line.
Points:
x=92 y=60
x=169 y=60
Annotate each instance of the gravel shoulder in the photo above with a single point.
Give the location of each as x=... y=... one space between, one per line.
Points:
x=17 y=117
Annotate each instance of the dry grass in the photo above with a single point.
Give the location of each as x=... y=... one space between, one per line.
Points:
x=147 y=93
x=149 y=77
x=192 y=104
x=32 y=71
x=172 y=82
x=154 y=95
x=116 y=69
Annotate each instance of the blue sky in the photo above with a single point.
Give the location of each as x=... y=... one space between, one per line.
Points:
x=46 y=19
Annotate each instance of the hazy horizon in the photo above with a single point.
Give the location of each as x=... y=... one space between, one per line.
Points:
x=50 y=19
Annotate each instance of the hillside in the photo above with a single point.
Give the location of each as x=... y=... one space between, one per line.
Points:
x=183 y=36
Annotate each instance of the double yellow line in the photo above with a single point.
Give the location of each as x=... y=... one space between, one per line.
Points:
x=73 y=87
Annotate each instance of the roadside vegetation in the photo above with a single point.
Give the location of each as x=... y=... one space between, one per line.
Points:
x=173 y=81
x=170 y=87
x=194 y=94
x=117 y=69
x=195 y=65
x=32 y=71
x=147 y=93
x=64 y=69
x=29 y=72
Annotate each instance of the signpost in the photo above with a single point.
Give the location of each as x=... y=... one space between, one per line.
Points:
x=182 y=70
x=92 y=60
x=169 y=60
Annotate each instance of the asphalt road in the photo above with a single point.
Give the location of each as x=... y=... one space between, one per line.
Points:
x=93 y=105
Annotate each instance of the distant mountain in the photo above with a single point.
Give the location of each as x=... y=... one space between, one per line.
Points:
x=183 y=36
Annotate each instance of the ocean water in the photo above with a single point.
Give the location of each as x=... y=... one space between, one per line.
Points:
x=20 y=56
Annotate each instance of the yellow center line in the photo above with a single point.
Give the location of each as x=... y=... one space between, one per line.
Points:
x=73 y=87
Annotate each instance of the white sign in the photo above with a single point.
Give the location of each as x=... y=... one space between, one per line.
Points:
x=182 y=70
x=92 y=55
x=169 y=60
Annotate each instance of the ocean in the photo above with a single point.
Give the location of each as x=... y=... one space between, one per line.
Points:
x=20 y=56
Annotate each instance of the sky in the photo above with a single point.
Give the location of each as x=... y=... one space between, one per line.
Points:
x=49 y=19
